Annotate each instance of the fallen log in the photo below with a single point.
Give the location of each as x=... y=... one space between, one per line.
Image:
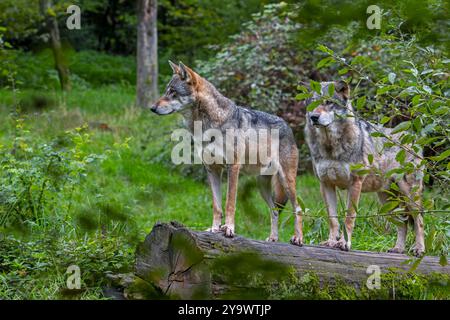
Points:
x=181 y=263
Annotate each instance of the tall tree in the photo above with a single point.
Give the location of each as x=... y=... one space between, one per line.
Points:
x=147 y=53
x=51 y=24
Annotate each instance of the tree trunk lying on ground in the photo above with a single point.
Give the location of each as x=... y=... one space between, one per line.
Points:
x=181 y=263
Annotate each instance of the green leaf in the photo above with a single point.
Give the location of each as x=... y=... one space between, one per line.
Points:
x=427 y=89
x=383 y=90
x=302 y=88
x=392 y=77
x=343 y=71
x=417 y=124
x=303 y=96
x=442 y=111
x=389 y=206
x=51 y=12
x=415 y=264
x=402 y=127
x=442 y=156
x=377 y=134
x=443 y=260
x=360 y=102
x=356 y=166
x=331 y=89
x=427 y=140
x=325 y=49
x=370 y=158
x=313 y=105
x=385 y=119
x=394 y=186
x=362 y=172
x=401 y=155
x=325 y=62
x=316 y=86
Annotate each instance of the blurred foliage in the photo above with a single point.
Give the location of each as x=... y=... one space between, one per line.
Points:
x=188 y=29
x=31 y=269
x=193 y=29
x=88 y=69
x=394 y=285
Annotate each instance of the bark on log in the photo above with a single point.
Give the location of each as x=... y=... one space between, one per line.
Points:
x=191 y=264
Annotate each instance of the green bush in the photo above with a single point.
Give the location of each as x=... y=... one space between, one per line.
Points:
x=34 y=175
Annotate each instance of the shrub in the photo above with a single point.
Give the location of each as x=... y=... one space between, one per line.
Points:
x=34 y=176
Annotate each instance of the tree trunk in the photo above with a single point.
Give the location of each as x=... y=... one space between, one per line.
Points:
x=190 y=264
x=147 y=53
x=51 y=24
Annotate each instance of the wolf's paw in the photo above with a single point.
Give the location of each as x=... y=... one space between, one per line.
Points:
x=228 y=231
x=330 y=243
x=296 y=241
x=272 y=239
x=213 y=229
x=418 y=251
x=343 y=245
x=396 y=250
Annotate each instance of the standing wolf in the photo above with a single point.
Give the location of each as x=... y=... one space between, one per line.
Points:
x=337 y=139
x=198 y=100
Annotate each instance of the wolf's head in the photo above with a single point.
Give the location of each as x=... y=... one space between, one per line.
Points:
x=180 y=91
x=330 y=109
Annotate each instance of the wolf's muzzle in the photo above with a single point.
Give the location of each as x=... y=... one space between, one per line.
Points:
x=315 y=118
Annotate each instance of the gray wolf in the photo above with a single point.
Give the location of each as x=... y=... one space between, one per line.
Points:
x=198 y=100
x=337 y=140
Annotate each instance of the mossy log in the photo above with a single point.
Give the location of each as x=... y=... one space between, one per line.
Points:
x=188 y=264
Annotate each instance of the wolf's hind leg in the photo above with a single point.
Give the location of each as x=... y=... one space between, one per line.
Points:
x=402 y=228
x=214 y=179
x=265 y=188
x=354 y=193
x=412 y=190
x=419 y=246
x=287 y=175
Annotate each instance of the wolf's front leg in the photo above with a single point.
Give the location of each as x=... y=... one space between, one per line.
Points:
x=214 y=179
x=329 y=196
x=233 y=177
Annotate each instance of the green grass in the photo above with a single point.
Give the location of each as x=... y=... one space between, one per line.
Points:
x=98 y=224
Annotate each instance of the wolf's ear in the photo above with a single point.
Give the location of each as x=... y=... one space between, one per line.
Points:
x=342 y=89
x=187 y=74
x=175 y=68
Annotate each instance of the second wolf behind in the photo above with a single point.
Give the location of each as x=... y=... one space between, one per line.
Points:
x=200 y=102
x=337 y=140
